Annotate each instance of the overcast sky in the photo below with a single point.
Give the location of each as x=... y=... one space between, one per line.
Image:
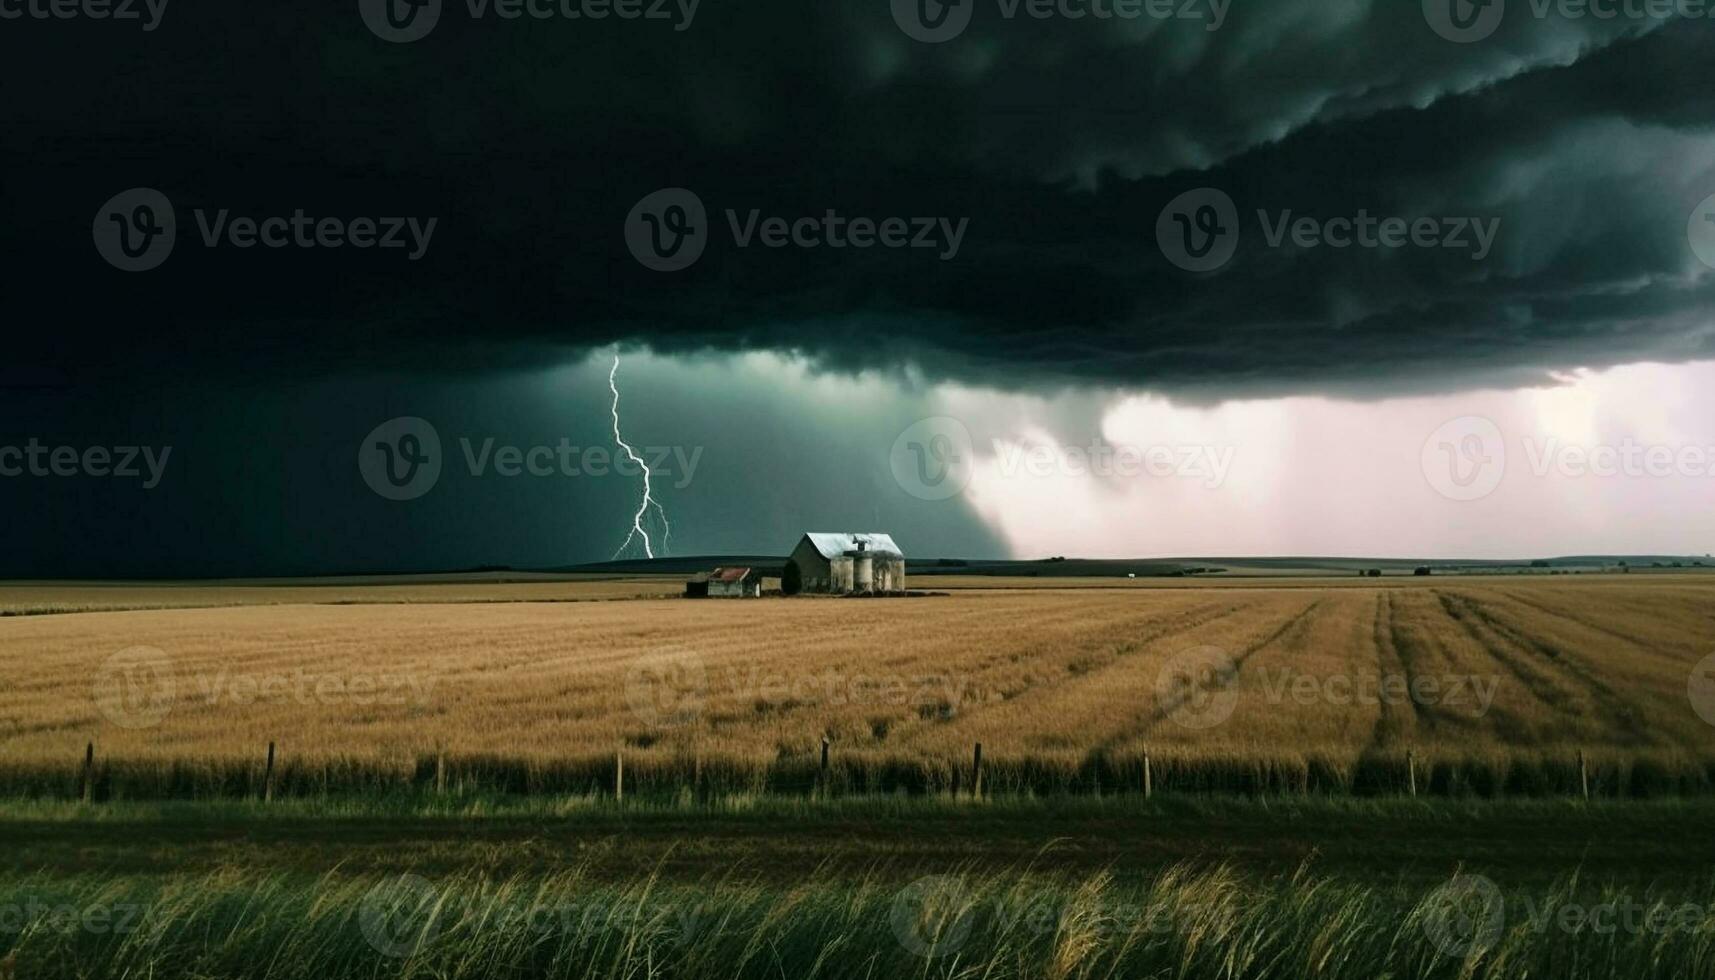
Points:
x=1303 y=276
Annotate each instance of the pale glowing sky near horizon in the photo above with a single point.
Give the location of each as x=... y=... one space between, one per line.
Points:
x=1322 y=476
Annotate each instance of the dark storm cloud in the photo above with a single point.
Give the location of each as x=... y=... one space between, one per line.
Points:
x=1058 y=140
x=269 y=483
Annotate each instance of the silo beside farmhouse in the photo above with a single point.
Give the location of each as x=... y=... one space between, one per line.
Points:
x=845 y=563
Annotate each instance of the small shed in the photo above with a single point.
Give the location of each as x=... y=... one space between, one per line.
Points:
x=734 y=583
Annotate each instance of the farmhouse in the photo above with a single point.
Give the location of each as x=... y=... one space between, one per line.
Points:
x=734 y=583
x=844 y=563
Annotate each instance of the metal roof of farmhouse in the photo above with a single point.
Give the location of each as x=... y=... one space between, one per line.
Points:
x=833 y=544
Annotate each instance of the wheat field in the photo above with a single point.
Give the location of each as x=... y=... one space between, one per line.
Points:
x=53 y=598
x=1489 y=685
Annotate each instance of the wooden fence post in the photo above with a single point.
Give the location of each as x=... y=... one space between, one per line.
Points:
x=268 y=777
x=1148 y=778
x=1584 y=774
x=1411 y=770
x=822 y=778
x=619 y=777
x=977 y=773
x=440 y=770
x=88 y=772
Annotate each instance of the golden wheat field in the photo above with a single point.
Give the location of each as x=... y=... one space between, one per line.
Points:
x=40 y=598
x=1492 y=685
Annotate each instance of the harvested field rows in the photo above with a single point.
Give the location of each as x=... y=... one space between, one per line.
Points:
x=1495 y=686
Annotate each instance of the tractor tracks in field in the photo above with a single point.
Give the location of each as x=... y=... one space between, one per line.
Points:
x=1594 y=627
x=1525 y=657
x=1392 y=644
x=1165 y=710
x=1083 y=649
x=1091 y=669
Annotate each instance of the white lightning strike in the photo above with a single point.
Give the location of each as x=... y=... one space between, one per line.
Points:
x=637 y=528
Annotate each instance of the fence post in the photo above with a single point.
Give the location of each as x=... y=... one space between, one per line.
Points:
x=440 y=770
x=88 y=772
x=1584 y=774
x=822 y=778
x=619 y=777
x=268 y=777
x=1148 y=778
x=977 y=772
x=1411 y=770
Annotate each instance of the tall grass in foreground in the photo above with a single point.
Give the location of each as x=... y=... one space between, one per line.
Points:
x=1213 y=924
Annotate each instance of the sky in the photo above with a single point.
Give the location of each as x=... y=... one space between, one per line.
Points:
x=1288 y=277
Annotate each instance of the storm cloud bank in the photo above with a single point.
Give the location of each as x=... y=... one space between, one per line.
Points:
x=1400 y=202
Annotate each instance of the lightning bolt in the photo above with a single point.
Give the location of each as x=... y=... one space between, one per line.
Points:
x=638 y=531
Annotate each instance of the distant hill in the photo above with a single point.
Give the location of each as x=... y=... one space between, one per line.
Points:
x=674 y=565
x=1175 y=567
